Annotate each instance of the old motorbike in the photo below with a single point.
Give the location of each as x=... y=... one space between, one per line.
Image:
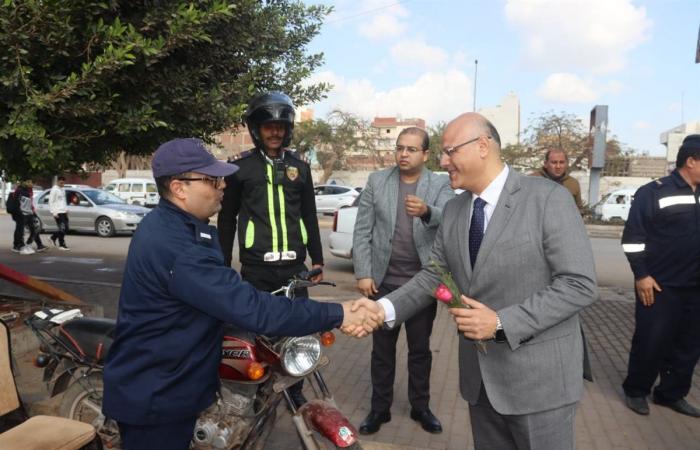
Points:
x=255 y=373
x=20 y=432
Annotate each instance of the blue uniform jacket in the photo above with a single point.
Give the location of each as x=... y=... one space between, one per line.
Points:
x=662 y=233
x=176 y=294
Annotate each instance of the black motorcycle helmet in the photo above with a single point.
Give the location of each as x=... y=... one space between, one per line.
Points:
x=270 y=107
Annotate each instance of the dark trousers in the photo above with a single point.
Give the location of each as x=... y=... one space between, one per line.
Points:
x=420 y=358
x=171 y=436
x=666 y=343
x=268 y=278
x=62 y=224
x=18 y=236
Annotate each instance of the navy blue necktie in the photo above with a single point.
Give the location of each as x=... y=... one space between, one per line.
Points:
x=476 y=229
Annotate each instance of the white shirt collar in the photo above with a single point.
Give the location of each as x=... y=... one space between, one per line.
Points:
x=493 y=191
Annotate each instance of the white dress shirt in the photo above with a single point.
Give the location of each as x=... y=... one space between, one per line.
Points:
x=490 y=195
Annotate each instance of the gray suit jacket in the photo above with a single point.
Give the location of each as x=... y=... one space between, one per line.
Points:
x=376 y=219
x=535 y=268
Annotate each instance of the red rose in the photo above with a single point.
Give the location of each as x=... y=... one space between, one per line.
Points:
x=443 y=294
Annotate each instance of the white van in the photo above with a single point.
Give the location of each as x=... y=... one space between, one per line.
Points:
x=615 y=205
x=135 y=191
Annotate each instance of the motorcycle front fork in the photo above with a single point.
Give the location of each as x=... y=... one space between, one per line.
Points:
x=322 y=393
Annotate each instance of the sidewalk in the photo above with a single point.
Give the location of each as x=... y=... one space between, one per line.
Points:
x=602 y=421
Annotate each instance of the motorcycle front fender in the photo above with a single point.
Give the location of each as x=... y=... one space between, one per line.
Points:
x=329 y=422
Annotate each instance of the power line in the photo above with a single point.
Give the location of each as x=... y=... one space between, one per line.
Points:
x=369 y=11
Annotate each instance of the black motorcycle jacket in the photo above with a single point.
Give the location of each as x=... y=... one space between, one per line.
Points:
x=273 y=204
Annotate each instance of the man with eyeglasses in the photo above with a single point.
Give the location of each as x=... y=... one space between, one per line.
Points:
x=162 y=369
x=518 y=251
x=399 y=213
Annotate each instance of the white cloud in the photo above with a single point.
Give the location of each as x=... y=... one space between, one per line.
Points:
x=433 y=96
x=567 y=88
x=416 y=53
x=642 y=125
x=384 y=19
x=595 y=35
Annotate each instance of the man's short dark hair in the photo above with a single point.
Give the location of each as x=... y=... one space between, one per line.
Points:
x=163 y=185
x=554 y=150
x=61 y=178
x=493 y=132
x=417 y=131
x=689 y=149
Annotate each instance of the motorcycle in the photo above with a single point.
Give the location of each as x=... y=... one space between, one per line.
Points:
x=20 y=432
x=255 y=373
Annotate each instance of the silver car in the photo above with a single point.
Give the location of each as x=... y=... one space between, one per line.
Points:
x=92 y=210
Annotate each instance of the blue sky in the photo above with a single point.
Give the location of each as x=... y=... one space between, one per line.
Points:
x=415 y=58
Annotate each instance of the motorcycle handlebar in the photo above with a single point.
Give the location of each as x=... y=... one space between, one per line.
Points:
x=307 y=275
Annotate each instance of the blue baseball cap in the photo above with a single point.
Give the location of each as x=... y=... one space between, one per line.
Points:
x=188 y=155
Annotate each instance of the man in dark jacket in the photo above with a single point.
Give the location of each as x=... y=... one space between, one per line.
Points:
x=161 y=371
x=661 y=240
x=272 y=201
x=556 y=168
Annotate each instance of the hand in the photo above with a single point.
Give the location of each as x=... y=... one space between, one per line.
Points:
x=318 y=278
x=415 y=206
x=366 y=287
x=645 y=289
x=478 y=322
x=361 y=317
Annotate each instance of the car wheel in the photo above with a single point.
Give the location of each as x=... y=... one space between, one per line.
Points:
x=104 y=227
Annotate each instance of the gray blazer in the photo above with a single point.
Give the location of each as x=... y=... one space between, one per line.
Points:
x=535 y=268
x=376 y=219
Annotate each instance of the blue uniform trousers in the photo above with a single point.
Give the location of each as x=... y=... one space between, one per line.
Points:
x=167 y=436
x=666 y=343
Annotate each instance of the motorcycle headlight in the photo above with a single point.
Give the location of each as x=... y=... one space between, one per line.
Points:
x=300 y=355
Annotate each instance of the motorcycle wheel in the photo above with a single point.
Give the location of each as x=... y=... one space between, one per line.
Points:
x=82 y=401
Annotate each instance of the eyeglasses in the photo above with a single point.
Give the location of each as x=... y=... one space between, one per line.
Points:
x=214 y=181
x=401 y=148
x=450 y=150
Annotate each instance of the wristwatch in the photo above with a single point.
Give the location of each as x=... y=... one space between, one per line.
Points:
x=500 y=335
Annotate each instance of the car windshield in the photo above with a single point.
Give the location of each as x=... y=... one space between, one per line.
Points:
x=103 y=198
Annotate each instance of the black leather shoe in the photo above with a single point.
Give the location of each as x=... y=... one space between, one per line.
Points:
x=427 y=420
x=680 y=406
x=373 y=422
x=638 y=405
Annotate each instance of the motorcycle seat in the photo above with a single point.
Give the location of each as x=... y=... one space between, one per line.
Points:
x=89 y=337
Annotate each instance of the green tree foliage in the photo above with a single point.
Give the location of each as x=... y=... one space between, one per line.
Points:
x=82 y=80
x=557 y=131
x=333 y=139
x=435 y=133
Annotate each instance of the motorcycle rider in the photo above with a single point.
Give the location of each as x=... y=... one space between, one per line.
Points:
x=162 y=369
x=272 y=200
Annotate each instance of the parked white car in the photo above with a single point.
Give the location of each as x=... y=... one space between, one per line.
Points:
x=615 y=205
x=340 y=239
x=330 y=197
x=135 y=191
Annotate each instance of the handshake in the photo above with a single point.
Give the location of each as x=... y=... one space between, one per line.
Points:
x=361 y=317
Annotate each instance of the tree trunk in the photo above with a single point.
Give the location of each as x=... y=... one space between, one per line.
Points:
x=328 y=168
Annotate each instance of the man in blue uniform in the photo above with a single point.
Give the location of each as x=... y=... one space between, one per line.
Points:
x=162 y=368
x=661 y=240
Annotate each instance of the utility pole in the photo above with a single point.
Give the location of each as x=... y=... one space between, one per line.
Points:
x=476 y=65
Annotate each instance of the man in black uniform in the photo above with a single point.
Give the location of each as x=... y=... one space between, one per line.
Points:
x=272 y=200
x=162 y=369
x=661 y=240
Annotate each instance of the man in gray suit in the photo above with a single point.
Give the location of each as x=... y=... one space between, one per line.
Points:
x=399 y=213
x=518 y=251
